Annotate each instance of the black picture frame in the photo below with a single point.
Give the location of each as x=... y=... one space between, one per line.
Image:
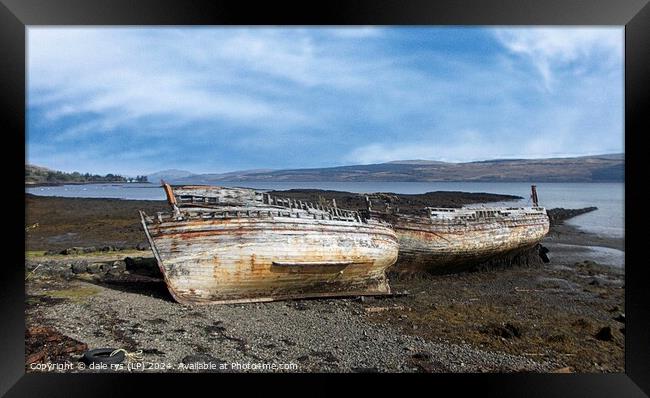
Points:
x=16 y=15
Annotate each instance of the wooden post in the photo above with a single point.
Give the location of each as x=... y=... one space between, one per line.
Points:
x=533 y=189
x=171 y=198
x=168 y=191
x=368 y=203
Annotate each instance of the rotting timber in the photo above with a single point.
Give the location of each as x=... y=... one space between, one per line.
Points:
x=235 y=245
x=444 y=240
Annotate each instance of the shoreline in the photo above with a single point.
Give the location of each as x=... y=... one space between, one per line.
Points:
x=58 y=184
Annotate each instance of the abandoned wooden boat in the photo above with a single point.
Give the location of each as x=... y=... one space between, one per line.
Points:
x=445 y=240
x=233 y=245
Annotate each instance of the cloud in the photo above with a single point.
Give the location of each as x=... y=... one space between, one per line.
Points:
x=246 y=77
x=356 y=32
x=551 y=49
x=105 y=72
x=221 y=99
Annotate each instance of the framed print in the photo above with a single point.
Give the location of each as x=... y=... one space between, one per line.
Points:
x=442 y=189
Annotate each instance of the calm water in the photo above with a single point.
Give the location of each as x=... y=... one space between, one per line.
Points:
x=608 y=197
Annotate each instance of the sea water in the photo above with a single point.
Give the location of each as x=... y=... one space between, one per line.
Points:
x=608 y=220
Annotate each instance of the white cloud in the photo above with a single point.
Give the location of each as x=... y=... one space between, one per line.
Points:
x=356 y=32
x=319 y=94
x=242 y=76
x=552 y=48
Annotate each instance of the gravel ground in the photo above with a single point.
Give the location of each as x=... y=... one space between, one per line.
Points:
x=315 y=335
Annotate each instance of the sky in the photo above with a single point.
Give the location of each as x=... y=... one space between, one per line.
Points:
x=217 y=99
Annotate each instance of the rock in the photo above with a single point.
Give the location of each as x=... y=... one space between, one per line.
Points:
x=142 y=266
x=115 y=272
x=106 y=266
x=66 y=273
x=89 y=249
x=71 y=251
x=79 y=267
x=504 y=331
x=605 y=334
x=95 y=268
x=142 y=246
x=423 y=356
x=620 y=318
x=116 y=269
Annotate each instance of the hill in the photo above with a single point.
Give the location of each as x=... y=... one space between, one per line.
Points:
x=599 y=168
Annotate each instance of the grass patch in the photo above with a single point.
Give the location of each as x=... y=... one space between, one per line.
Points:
x=35 y=253
x=75 y=294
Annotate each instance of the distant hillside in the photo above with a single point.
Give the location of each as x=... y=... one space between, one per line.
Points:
x=600 y=168
x=37 y=175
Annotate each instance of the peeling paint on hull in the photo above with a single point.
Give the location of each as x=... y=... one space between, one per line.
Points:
x=265 y=258
x=453 y=244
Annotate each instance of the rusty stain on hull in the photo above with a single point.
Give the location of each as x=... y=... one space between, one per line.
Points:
x=232 y=245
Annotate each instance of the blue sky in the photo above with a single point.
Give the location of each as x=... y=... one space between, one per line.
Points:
x=135 y=100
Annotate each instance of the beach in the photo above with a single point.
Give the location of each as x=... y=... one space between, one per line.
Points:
x=105 y=291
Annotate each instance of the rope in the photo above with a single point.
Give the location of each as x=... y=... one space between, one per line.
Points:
x=34 y=270
x=135 y=356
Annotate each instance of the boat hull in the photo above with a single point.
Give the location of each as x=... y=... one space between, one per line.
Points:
x=249 y=259
x=439 y=247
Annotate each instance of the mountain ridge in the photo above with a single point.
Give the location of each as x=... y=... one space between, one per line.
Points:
x=592 y=168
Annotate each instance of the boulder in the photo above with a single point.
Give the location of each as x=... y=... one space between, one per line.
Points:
x=72 y=251
x=120 y=265
x=95 y=268
x=79 y=267
x=605 y=334
x=142 y=265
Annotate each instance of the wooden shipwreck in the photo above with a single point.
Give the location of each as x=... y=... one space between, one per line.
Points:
x=235 y=245
x=441 y=240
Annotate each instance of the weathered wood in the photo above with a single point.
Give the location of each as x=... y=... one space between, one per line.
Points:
x=264 y=253
x=456 y=238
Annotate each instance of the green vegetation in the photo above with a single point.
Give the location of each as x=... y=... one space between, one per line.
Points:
x=42 y=175
x=75 y=294
x=35 y=253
